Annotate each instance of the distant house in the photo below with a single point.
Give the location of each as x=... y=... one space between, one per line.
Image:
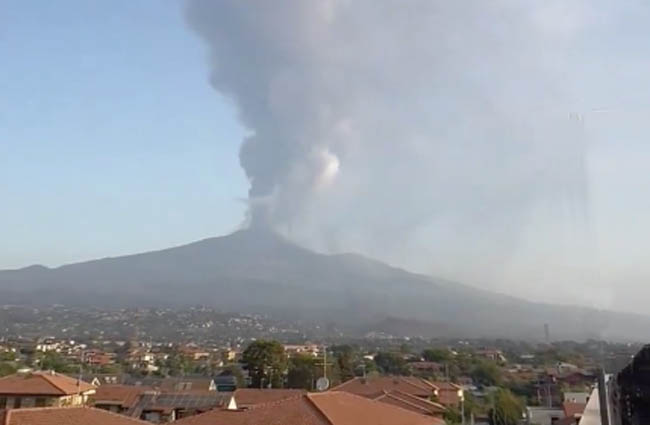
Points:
x=195 y=353
x=98 y=358
x=313 y=350
x=47 y=345
x=576 y=397
x=426 y=368
x=543 y=415
x=490 y=354
x=43 y=389
x=328 y=408
x=98 y=379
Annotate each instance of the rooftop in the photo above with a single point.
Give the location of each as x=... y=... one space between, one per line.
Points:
x=329 y=408
x=42 y=383
x=64 y=416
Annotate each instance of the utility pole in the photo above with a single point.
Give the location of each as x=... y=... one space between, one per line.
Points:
x=462 y=410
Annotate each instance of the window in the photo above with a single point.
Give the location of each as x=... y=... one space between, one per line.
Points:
x=18 y=402
x=3 y=402
x=40 y=402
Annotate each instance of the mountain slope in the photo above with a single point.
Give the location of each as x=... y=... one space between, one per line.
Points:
x=259 y=271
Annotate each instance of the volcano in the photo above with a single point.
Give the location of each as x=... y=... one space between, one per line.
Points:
x=258 y=271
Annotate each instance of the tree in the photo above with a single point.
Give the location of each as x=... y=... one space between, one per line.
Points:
x=506 y=409
x=486 y=373
x=452 y=415
x=266 y=362
x=346 y=359
x=7 y=356
x=7 y=369
x=303 y=371
x=54 y=361
x=391 y=363
x=436 y=355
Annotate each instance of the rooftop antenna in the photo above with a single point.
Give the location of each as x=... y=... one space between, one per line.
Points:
x=323 y=383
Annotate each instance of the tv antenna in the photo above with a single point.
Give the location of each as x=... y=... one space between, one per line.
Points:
x=323 y=383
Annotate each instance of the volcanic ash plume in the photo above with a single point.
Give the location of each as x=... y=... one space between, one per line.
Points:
x=380 y=123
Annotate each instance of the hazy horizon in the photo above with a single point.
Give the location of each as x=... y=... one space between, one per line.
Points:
x=500 y=145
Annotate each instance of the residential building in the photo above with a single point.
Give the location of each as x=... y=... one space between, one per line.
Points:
x=413 y=403
x=118 y=398
x=248 y=397
x=490 y=354
x=536 y=415
x=449 y=394
x=374 y=387
x=43 y=389
x=313 y=350
x=328 y=408
x=64 y=416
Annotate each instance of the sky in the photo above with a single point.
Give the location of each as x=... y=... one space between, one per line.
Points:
x=111 y=141
x=501 y=144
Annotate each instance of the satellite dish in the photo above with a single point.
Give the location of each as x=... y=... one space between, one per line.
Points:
x=322 y=384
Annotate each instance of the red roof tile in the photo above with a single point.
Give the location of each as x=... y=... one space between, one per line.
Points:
x=42 y=383
x=572 y=409
x=329 y=408
x=413 y=403
x=252 y=396
x=374 y=387
x=66 y=416
x=124 y=395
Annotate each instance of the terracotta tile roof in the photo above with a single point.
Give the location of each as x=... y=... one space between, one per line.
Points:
x=329 y=408
x=66 y=416
x=374 y=387
x=572 y=409
x=125 y=395
x=448 y=393
x=42 y=383
x=251 y=396
x=413 y=403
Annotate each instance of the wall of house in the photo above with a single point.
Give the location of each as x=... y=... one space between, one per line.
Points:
x=11 y=402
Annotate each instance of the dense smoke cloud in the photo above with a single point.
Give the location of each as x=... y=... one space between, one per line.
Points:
x=437 y=134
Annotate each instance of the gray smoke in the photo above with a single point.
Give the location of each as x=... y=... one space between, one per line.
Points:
x=434 y=127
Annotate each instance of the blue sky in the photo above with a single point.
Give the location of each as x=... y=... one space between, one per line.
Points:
x=111 y=138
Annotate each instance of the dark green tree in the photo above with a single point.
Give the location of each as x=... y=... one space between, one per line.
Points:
x=506 y=409
x=347 y=360
x=266 y=362
x=436 y=355
x=486 y=373
x=391 y=363
x=303 y=372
